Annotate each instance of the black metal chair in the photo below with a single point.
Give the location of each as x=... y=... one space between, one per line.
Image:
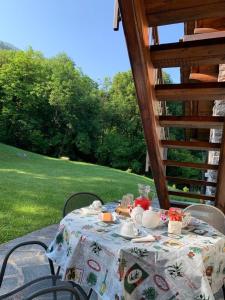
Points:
x=57 y=292
x=78 y=200
x=40 y=283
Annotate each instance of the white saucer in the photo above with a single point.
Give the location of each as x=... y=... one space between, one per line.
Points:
x=89 y=211
x=128 y=237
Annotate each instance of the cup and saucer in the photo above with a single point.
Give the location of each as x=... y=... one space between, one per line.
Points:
x=128 y=230
x=94 y=209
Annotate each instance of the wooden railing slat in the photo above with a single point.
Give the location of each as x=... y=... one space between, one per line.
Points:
x=192 y=195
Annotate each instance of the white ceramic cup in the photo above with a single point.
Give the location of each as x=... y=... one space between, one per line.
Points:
x=96 y=204
x=128 y=228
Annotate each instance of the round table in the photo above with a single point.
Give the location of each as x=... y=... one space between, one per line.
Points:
x=188 y=266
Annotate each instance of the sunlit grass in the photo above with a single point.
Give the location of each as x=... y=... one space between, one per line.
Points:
x=33 y=188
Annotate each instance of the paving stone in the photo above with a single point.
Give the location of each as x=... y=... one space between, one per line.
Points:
x=8 y=285
x=33 y=272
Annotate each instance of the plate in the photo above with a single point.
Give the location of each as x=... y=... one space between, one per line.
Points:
x=88 y=211
x=128 y=237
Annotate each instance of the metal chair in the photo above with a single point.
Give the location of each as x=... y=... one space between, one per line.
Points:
x=79 y=200
x=57 y=292
x=209 y=214
x=37 y=284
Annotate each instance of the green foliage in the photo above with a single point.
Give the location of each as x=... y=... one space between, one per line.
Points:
x=47 y=105
x=122 y=143
x=50 y=107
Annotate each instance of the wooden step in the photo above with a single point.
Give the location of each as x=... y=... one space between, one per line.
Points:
x=190 y=181
x=193 y=165
x=204 y=77
x=199 y=145
x=203 y=36
x=180 y=204
x=192 y=195
x=210 y=51
x=191 y=91
x=191 y=121
x=163 y=12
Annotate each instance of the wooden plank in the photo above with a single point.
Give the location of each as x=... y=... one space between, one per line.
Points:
x=191 y=121
x=220 y=191
x=137 y=38
x=203 y=36
x=190 y=181
x=180 y=204
x=199 y=145
x=210 y=51
x=206 y=30
x=162 y=12
x=204 y=77
x=191 y=91
x=214 y=23
x=193 y=165
x=192 y=195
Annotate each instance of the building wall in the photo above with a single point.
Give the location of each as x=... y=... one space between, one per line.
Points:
x=216 y=134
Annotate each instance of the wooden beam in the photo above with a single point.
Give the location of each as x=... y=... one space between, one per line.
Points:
x=220 y=191
x=199 y=145
x=191 y=121
x=191 y=91
x=210 y=51
x=193 y=165
x=203 y=36
x=162 y=12
x=137 y=38
x=191 y=195
x=190 y=181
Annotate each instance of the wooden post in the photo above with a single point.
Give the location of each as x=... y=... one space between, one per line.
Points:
x=136 y=32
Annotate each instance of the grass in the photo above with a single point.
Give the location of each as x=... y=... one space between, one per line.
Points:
x=33 y=188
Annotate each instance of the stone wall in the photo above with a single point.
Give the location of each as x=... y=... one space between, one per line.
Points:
x=216 y=134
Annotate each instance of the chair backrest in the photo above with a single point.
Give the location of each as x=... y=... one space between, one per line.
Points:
x=39 y=257
x=78 y=200
x=209 y=214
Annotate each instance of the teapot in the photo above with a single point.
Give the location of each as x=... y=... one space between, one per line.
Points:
x=150 y=218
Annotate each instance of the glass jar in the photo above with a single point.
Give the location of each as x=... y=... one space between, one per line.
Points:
x=143 y=200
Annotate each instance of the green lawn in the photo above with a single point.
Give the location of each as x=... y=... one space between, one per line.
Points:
x=33 y=188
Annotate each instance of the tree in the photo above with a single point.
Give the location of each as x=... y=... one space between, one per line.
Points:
x=122 y=143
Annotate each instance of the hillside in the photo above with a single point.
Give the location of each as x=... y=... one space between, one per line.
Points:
x=7 y=46
x=34 y=187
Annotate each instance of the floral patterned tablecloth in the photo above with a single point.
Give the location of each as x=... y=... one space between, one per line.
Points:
x=188 y=266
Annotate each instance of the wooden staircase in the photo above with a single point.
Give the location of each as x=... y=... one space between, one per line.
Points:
x=139 y=17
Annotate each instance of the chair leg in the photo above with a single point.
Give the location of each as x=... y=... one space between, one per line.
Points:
x=223 y=291
x=89 y=294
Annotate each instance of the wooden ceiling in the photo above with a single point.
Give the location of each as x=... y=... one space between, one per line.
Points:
x=198 y=55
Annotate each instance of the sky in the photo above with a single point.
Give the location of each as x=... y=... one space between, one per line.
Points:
x=81 y=28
